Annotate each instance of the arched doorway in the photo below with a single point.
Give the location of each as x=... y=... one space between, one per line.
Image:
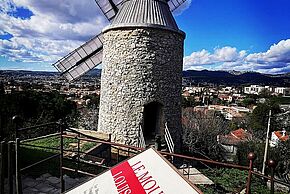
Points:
x=152 y=120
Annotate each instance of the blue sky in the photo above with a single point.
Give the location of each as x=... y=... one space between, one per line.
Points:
x=244 y=35
x=252 y=25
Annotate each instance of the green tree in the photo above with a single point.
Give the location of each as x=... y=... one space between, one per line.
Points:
x=244 y=148
x=259 y=118
x=281 y=154
x=2 y=90
x=94 y=100
x=248 y=102
x=188 y=101
x=34 y=108
x=265 y=93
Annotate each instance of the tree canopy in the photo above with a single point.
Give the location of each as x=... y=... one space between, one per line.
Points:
x=259 y=118
x=34 y=108
x=200 y=131
x=2 y=90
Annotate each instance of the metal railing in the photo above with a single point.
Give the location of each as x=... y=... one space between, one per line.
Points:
x=168 y=139
x=141 y=139
x=122 y=152
x=15 y=170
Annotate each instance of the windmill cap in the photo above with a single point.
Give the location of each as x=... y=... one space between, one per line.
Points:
x=145 y=13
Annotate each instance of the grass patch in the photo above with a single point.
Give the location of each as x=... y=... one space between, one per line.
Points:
x=51 y=142
x=87 y=145
x=226 y=180
x=30 y=155
x=232 y=181
x=54 y=142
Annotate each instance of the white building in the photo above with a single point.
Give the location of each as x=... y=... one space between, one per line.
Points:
x=256 y=89
x=194 y=90
x=226 y=90
x=240 y=109
x=282 y=90
x=278 y=136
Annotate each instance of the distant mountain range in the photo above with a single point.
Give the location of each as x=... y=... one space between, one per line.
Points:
x=215 y=77
x=13 y=73
x=237 y=78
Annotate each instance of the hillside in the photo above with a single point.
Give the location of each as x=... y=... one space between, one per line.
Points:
x=215 y=77
x=227 y=78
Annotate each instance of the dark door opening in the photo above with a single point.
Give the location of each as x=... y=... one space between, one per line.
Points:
x=152 y=116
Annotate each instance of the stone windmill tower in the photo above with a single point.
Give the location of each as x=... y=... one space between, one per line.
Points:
x=141 y=54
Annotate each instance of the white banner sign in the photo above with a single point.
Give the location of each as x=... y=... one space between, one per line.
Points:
x=146 y=173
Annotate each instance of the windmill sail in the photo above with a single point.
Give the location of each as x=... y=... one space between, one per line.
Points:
x=89 y=55
x=109 y=7
x=82 y=59
x=174 y=4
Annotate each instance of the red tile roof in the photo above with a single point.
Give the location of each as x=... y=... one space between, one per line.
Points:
x=241 y=134
x=279 y=134
x=235 y=137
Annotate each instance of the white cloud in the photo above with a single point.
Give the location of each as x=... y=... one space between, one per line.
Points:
x=55 y=28
x=274 y=60
x=277 y=53
x=198 y=58
x=220 y=55
x=7 y=6
x=35 y=50
x=227 y=54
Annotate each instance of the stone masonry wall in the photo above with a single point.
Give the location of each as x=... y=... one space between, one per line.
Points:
x=140 y=66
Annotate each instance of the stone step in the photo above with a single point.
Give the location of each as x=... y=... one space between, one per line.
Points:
x=47 y=183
